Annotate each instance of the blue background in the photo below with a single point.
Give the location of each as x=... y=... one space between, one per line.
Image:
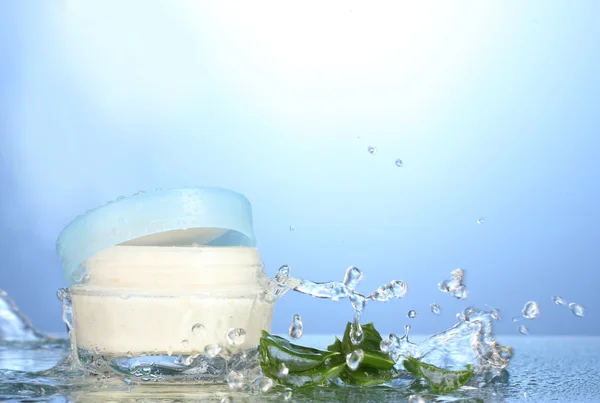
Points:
x=493 y=108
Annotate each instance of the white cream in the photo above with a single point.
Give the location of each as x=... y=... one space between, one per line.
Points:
x=147 y=299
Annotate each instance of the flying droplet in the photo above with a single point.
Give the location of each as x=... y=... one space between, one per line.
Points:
x=236 y=336
x=283 y=370
x=372 y=150
x=292 y=228
x=398 y=162
x=169 y=351
x=495 y=314
x=356 y=333
x=235 y=380
x=516 y=319
x=559 y=300
x=523 y=330
x=352 y=277
x=295 y=330
x=185 y=344
x=198 y=329
x=577 y=309
x=212 y=350
x=480 y=220
x=412 y=314
x=435 y=309
x=460 y=292
x=354 y=359
x=263 y=384
x=531 y=310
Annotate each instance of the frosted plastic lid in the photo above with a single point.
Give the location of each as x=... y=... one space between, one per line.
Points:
x=172 y=217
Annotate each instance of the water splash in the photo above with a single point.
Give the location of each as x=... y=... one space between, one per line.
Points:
x=14 y=326
x=454 y=284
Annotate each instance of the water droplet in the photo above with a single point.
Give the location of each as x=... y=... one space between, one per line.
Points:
x=212 y=350
x=516 y=319
x=386 y=345
x=398 y=162
x=170 y=350
x=460 y=292
x=236 y=336
x=287 y=396
x=531 y=310
x=354 y=359
x=198 y=329
x=495 y=314
x=185 y=344
x=415 y=399
x=356 y=333
x=412 y=314
x=523 y=330
x=372 y=150
x=283 y=275
x=295 y=330
x=435 y=309
x=352 y=277
x=263 y=384
x=292 y=228
x=283 y=370
x=577 y=309
x=559 y=300
x=480 y=220
x=235 y=380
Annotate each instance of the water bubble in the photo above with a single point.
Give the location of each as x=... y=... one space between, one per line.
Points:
x=283 y=370
x=531 y=310
x=559 y=300
x=354 y=359
x=412 y=314
x=577 y=309
x=292 y=228
x=263 y=384
x=236 y=336
x=372 y=150
x=435 y=309
x=415 y=399
x=198 y=329
x=352 y=277
x=212 y=350
x=170 y=350
x=398 y=162
x=185 y=344
x=480 y=220
x=523 y=330
x=295 y=330
x=235 y=380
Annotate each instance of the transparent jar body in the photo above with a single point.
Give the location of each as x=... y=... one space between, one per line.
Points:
x=153 y=300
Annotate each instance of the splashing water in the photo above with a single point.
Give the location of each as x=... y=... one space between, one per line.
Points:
x=531 y=310
x=454 y=284
x=296 y=329
x=14 y=326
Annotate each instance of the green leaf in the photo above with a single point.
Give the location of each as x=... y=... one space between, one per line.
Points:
x=336 y=346
x=277 y=350
x=316 y=376
x=368 y=376
x=440 y=380
x=370 y=345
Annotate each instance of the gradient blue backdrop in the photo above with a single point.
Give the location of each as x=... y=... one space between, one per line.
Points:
x=492 y=106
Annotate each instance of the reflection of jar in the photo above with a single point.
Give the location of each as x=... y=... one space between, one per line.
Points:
x=166 y=272
x=170 y=300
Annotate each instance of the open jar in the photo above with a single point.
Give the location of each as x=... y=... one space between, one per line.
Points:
x=172 y=273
